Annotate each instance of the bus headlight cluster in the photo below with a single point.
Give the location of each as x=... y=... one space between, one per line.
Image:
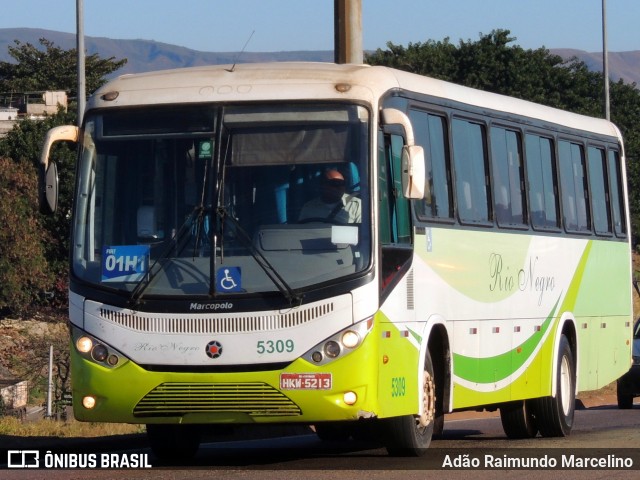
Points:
x=339 y=344
x=91 y=348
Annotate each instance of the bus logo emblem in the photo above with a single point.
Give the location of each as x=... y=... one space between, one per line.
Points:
x=214 y=349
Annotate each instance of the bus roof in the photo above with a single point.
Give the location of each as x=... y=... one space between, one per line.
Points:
x=316 y=81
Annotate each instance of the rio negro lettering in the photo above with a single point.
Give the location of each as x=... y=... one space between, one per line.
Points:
x=502 y=278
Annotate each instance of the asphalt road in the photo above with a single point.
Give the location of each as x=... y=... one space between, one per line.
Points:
x=602 y=433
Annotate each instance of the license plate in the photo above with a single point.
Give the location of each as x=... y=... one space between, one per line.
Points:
x=305 y=381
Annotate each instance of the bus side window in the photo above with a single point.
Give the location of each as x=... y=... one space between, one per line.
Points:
x=541 y=175
x=470 y=161
x=507 y=176
x=617 y=199
x=394 y=218
x=431 y=134
x=600 y=198
x=573 y=184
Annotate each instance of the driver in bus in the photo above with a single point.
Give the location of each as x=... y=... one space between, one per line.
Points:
x=333 y=204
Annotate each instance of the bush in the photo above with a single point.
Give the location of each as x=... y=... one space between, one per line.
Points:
x=23 y=267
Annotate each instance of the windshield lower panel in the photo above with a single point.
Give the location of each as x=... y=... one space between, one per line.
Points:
x=203 y=201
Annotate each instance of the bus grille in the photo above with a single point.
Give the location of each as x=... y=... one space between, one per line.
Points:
x=177 y=399
x=231 y=323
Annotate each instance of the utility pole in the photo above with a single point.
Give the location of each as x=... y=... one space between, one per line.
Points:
x=80 y=50
x=347 y=22
x=605 y=61
x=50 y=384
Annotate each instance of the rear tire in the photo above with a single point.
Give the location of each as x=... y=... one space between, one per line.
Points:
x=555 y=414
x=625 y=400
x=410 y=435
x=518 y=420
x=174 y=443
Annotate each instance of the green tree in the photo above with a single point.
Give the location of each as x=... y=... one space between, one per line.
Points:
x=494 y=64
x=24 y=272
x=23 y=281
x=35 y=69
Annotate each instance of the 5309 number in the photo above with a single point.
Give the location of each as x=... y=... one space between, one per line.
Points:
x=398 y=387
x=274 y=346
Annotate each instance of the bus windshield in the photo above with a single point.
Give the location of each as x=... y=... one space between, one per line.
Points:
x=203 y=200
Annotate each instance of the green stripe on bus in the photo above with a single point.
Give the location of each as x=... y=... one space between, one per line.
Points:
x=493 y=369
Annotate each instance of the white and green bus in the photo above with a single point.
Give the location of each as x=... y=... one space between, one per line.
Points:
x=474 y=254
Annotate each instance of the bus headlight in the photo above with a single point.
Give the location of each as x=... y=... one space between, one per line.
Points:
x=350 y=339
x=89 y=402
x=340 y=344
x=332 y=349
x=84 y=344
x=95 y=350
x=99 y=353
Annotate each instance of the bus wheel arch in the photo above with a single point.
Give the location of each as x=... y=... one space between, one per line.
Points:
x=438 y=347
x=410 y=435
x=555 y=413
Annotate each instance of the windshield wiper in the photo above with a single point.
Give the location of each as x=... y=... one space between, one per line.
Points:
x=198 y=214
x=289 y=293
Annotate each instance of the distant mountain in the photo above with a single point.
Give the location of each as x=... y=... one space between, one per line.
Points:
x=148 y=55
x=622 y=65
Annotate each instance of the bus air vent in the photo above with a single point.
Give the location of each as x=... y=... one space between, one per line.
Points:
x=253 y=399
x=410 y=291
x=231 y=323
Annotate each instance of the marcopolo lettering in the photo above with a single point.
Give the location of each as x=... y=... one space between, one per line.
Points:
x=210 y=307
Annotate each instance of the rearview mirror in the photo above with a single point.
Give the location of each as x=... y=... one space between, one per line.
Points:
x=413 y=171
x=413 y=163
x=48 y=188
x=48 y=172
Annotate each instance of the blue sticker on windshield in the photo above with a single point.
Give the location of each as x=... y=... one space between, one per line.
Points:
x=229 y=279
x=125 y=263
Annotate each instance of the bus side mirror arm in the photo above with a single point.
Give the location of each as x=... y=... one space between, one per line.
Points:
x=48 y=172
x=413 y=161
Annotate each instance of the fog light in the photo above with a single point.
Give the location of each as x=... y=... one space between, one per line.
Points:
x=99 y=353
x=84 y=344
x=112 y=360
x=350 y=398
x=316 y=356
x=332 y=349
x=350 y=339
x=88 y=402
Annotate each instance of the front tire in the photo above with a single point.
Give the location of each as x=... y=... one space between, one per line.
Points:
x=410 y=435
x=555 y=414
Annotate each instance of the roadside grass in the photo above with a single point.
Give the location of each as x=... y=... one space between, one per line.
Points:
x=11 y=426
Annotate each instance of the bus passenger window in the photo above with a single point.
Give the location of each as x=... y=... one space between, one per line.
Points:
x=431 y=133
x=573 y=184
x=617 y=199
x=507 y=176
x=541 y=174
x=599 y=191
x=469 y=157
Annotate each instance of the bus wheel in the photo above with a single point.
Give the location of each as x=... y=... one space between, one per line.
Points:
x=555 y=414
x=410 y=435
x=174 y=443
x=518 y=420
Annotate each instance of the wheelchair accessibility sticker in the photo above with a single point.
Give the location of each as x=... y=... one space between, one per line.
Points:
x=229 y=279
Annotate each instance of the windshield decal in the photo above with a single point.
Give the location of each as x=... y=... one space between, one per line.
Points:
x=125 y=263
x=229 y=279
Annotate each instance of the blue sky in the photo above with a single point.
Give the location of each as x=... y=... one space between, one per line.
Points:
x=279 y=25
